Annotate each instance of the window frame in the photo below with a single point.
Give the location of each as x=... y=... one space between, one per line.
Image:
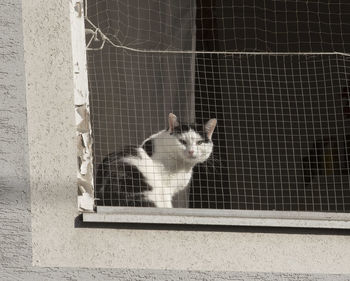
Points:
x=185 y=216
x=60 y=239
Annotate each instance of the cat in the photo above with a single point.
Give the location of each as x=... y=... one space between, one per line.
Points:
x=150 y=175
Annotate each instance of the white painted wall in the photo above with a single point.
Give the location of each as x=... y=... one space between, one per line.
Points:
x=51 y=140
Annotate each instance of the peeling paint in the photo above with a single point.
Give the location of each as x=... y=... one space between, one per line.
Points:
x=82 y=110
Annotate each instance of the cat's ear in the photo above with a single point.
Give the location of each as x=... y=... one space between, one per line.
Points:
x=209 y=127
x=172 y=122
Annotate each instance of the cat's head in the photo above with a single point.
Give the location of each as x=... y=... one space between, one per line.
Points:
x=192 y=143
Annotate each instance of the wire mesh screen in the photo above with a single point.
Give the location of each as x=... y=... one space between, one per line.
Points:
x=215 y=104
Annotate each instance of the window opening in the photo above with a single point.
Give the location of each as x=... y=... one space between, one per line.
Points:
x=274 y=76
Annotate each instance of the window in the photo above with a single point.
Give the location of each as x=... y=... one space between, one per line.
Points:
x=52 y=166
x=276 y=83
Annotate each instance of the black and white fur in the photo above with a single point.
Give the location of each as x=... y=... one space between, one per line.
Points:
x=150 y=175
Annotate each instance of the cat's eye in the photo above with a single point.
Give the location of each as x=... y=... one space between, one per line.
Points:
x=183 y=142
x=199 y=142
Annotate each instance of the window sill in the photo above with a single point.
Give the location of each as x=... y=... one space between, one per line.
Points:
x=218 y=217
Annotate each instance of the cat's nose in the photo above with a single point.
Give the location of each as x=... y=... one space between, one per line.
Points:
x=191 y=152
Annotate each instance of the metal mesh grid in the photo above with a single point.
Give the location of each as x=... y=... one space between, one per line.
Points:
x=273 y=73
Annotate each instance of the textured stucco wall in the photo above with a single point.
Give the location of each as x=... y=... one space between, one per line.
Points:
x=15 y=214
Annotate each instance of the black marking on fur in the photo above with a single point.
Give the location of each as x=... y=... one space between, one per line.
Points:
x=119 y=183
x=127 y=151
x=148 y=147
x=199 y=129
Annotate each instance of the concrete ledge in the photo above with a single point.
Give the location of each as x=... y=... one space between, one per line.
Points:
x=218 y=217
